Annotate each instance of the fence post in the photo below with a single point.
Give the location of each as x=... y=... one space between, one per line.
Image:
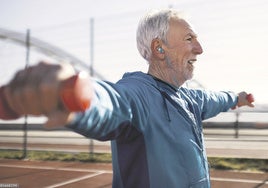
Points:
x=91 y=52
x=25 y=125
x=236 y=125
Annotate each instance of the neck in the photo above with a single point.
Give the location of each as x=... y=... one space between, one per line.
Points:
x=159 y=80
x=165 y=72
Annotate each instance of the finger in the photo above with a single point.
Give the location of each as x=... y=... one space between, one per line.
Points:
x=15 y=102
x=251 y=105
x=32 y=102
x=58 y=119
x=5 y=108
x=17 y=81
x=49 y=97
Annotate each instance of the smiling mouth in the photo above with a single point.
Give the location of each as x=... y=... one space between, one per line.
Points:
x=191 y=62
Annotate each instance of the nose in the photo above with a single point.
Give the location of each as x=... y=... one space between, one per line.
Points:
x=198 y=48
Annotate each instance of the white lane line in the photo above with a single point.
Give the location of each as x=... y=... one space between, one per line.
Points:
x=239 y=180
x=97 y=172
x=75 y=180
x=56 y=168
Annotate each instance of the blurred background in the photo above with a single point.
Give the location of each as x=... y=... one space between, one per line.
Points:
x=232 y=33
x=101 y=36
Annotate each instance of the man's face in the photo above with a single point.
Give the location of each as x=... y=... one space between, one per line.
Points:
x=182 y=50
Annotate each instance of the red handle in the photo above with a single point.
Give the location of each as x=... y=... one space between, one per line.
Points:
x=75 y=93
x=250 y=98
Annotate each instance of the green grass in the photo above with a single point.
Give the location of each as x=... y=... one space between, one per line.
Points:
x=56 y=156
x=215 y=162
x=239 y=164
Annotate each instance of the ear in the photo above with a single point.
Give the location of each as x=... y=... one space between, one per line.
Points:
x=157 y=49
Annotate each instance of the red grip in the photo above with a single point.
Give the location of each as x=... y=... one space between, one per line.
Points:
x=76 y=92
x=250 y=98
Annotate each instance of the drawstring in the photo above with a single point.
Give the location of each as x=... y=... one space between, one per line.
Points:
x=164 y=94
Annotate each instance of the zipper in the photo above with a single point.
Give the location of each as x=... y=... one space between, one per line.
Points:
x=192 y=122
x=184 y=114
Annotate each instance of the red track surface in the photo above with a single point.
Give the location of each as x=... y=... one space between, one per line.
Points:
x=38 y=174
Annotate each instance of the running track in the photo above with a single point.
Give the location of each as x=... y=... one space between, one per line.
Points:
x=39 y=174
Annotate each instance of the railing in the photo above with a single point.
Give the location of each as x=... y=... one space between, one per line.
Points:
x=12 y=136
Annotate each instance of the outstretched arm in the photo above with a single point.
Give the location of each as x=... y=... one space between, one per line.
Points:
x=53 y=90
x=213 y=103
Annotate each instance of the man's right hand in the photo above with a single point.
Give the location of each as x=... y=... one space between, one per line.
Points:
x=36 y=91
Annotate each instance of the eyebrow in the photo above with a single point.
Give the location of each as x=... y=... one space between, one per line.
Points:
x=193 y=34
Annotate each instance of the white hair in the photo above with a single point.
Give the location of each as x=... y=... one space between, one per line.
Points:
x=154 y=24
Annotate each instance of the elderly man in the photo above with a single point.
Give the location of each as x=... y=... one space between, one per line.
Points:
x=154 y=123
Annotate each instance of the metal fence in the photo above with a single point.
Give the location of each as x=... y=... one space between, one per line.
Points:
x=106 y=46
x=14 y=136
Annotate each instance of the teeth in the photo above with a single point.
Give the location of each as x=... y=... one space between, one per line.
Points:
x=191 y=61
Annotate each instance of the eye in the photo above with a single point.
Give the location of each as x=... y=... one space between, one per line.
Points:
x=189 y=38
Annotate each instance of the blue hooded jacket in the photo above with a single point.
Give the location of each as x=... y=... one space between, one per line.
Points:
x=155 y=129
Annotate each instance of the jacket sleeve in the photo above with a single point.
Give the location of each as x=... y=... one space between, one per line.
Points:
x=212 y=103
x=115 y=109
x=108 y=113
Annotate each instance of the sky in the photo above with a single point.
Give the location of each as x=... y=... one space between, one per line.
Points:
x=233 y=35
